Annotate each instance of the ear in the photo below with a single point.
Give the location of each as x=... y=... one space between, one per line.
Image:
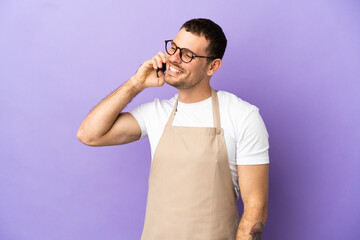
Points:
x=214 y=66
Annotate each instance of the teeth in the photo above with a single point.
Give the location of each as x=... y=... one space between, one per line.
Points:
x=174 y=70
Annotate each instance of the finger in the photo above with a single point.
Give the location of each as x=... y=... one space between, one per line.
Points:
x=147 y=64
x=161 y=78
x=159 y=61
x=154 y=63
x=163 y=56
x=158 y=72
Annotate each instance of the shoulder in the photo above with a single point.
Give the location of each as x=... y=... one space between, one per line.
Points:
x=237 y=114
x=235 y=105
x=244 y=119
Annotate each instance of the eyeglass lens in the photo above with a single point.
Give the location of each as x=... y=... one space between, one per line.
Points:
x=185 y=54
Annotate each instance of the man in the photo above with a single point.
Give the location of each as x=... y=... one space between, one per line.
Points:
x=208 y=147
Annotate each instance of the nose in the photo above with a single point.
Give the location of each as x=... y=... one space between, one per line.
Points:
x=175 y=57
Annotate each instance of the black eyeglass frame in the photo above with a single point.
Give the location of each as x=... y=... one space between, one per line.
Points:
x=192 y=56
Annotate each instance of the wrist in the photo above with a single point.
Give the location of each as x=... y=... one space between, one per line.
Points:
x=135 y=85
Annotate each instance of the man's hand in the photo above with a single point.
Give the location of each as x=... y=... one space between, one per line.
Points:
x=146 y=74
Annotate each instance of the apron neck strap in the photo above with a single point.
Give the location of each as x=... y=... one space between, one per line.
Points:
x=215 y=110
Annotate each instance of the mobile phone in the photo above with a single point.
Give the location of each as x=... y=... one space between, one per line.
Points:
x=163 y=69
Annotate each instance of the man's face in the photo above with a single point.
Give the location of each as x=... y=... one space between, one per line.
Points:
x=190 y=73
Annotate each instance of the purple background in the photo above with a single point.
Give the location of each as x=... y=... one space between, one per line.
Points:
x=298 y=61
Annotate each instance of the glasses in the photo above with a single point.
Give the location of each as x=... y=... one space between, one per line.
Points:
x=186 y=55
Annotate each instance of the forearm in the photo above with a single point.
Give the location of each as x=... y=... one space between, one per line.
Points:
x=252 y=223
x=102 y=116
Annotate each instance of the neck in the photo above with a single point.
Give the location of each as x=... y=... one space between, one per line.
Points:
x=195 y=94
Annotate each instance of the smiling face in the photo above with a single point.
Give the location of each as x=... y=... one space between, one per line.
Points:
x=187 y=75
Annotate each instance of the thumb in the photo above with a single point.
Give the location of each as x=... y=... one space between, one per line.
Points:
x=161 y=78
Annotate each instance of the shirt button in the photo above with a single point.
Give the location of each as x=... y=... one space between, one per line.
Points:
x=218 y=131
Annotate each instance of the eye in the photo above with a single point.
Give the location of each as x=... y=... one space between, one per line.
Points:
x=187 y=54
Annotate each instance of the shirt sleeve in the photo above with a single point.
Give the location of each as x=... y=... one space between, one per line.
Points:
x=139 y=115
x=253 y=141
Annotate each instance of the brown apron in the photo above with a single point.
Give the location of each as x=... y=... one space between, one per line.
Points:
x=191 y=194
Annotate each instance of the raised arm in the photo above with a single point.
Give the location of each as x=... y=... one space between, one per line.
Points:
x=106 y=124
x=254 y=184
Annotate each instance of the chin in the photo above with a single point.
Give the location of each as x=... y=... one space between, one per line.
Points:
x=174 y=84
x=171 y=81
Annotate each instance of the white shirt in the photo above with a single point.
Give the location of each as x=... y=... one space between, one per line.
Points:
x=245 y=133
